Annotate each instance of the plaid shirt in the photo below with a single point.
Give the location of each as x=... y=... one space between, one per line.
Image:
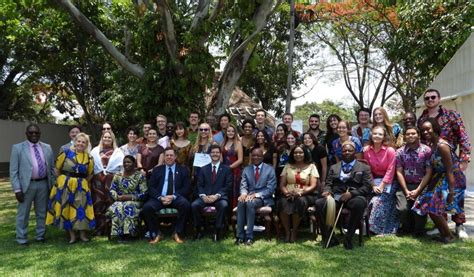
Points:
x=452 y=130
x=414 y=162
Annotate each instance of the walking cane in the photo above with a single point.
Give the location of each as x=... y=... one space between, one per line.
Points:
x=335 y=222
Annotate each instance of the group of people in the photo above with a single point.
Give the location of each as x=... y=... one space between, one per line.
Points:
x=399 y=175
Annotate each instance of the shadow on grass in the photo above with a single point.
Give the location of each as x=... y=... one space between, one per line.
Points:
x=388 y=255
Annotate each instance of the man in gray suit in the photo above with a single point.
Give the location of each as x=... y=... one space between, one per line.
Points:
x=256 y=190
x=31 y=175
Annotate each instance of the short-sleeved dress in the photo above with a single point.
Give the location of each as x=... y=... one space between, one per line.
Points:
x=124 y=214
x=70 y=201
x=297 y=179
x=433 y=200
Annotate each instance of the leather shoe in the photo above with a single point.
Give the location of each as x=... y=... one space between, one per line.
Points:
x=157 y=239
x=348 y=245
x=198 y=236
x=177 y=238
x=239 y=241
x=249 y=242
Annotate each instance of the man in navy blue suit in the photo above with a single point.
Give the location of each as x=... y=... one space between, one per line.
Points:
x=168 y=187
x=213 y=185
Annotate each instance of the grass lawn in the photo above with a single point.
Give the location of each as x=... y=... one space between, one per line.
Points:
x=379 y=256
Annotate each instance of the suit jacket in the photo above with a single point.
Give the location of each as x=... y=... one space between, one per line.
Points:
x=222 y=185
x=181 y=181
x=21 y=165
x=359 y=181
x=264 y=188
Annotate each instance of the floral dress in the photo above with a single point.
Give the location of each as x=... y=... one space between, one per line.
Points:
x=70 y=201
x=230 y=156
x=433 y=200
x=124 y=214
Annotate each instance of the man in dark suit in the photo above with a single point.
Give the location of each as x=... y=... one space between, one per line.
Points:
x=349 y=182
x=32 y=175
x=213 y=185
x=168 y=187
x=256 y=190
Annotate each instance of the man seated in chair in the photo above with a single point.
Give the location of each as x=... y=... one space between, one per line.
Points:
x=213 y=185
x=167 y=188
x=256 y=189
x=349 y=182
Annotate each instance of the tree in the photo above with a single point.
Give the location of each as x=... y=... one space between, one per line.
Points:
x=324 y=109
x=265 y=77
x=184 y=30
x=354 y=31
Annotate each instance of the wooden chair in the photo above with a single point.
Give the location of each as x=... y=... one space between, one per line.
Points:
x=263 y=213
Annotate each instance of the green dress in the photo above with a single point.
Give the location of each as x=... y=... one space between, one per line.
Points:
x=124 y=214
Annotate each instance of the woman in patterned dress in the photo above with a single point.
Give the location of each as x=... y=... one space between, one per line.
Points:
x=233 y=155
x=298 y=181
x=70 y=201
x=132 y=147
x=128 y=191
x=447 y=185
x=382 y=161
x=108 y=160
x=181 y=144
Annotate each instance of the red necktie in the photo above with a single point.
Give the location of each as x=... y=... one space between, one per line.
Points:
x=257 y=174
x=214 y=174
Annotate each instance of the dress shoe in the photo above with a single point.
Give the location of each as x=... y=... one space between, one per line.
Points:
x=177 y=238
x=157 y=239
x=348 y=244
x=249 y=242
x=198 y=236
x=238 y=241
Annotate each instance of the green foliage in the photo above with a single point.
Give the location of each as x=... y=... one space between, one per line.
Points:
x=324 y=109
x=265 y=77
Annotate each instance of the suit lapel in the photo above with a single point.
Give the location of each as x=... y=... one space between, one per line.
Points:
x=26 y=150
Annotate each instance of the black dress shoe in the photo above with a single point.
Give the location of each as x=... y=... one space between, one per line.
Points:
x=238 y=241
x=348 y=245
x=198 y=236
x=249 y=242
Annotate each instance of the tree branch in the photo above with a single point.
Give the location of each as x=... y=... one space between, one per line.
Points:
x=202 y=12
x=80 y=19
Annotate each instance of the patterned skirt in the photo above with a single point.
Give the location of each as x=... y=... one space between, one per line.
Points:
x=383 y=213
x=70 y=204
x=124 y=216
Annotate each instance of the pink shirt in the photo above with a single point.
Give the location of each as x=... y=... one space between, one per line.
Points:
x=381 y=163
x=34 y=163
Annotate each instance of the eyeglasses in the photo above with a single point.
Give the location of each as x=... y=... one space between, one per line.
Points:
x=433 y=97
x=203 y=129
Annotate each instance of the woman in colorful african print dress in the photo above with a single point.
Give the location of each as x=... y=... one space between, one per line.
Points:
x=233 y=155
x=447 y=185
x=128 y=191
x=70 y=201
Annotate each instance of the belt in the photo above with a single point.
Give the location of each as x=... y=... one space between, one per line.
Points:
x=74 y=175
x=39 y=179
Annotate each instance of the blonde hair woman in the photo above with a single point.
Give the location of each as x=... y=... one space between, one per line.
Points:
x=74 y=168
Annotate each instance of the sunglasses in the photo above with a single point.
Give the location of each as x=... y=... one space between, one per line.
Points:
x=34 y=133
x=433 y=97
x=203 y=130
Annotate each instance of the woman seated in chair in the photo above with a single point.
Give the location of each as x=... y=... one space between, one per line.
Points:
x=381 y=159
x=128 y=191
x=297 y=184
